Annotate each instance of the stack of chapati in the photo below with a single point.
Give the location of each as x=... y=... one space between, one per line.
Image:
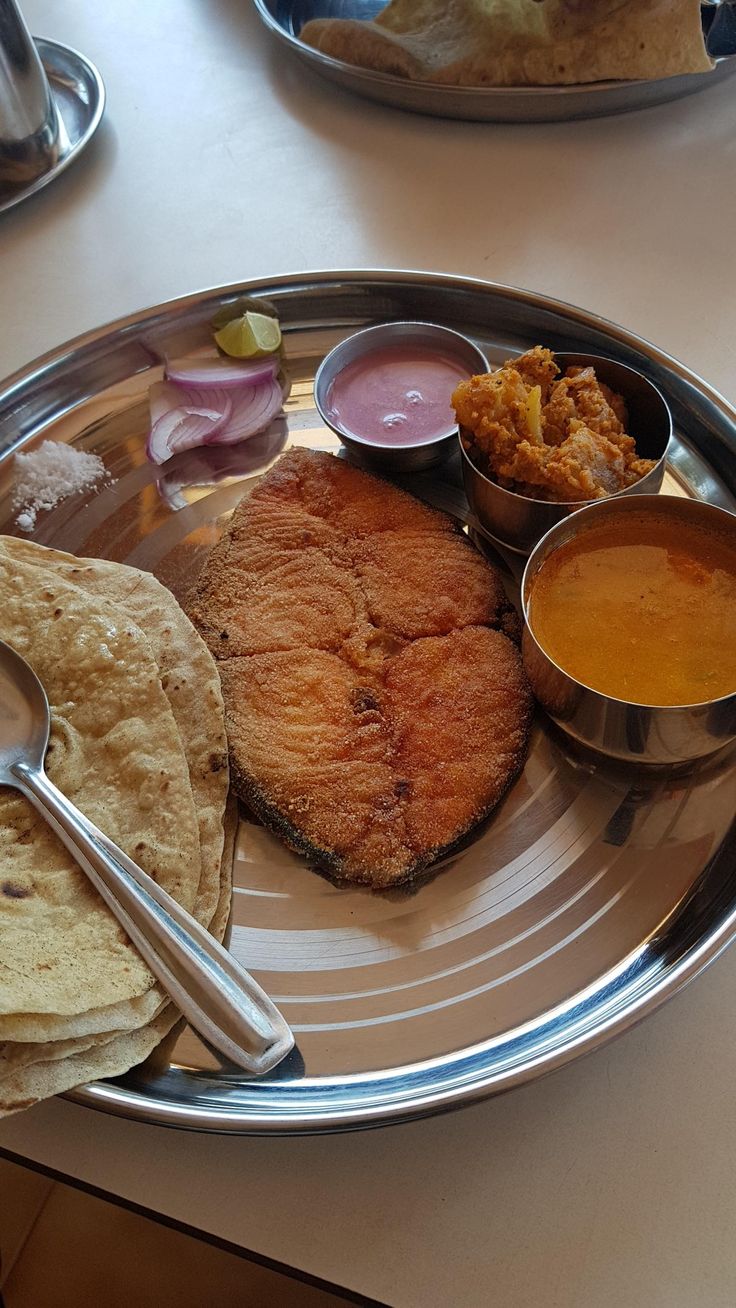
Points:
x=138 y=743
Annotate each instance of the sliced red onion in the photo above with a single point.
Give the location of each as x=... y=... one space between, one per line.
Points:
x=222 y=373
x=253 y=408
x=181 y=419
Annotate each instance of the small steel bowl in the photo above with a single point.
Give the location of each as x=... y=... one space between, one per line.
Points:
x=518 y=521
x=638 y=733
x=398 y=458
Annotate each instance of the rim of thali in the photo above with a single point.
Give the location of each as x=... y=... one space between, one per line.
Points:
x=127 y=324
x=685 y=387
x=612 y=1004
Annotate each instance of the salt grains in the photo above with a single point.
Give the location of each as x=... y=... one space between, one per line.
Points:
x=46 y=476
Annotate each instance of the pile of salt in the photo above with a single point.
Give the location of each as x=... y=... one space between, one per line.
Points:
x=46 y=476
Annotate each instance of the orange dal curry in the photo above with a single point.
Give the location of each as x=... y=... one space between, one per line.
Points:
x=650 y=619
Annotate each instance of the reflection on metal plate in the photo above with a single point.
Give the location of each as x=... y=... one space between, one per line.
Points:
x=591 y=895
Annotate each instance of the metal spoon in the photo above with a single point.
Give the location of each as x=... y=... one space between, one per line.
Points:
x=215 y=994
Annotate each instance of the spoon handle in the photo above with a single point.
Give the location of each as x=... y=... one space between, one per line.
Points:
x=215 y=994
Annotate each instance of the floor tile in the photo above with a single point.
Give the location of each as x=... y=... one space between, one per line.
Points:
x=22 y=1196
x=88 y=1253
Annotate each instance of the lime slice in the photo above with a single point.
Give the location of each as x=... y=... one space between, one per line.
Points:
x=249 y=337
x=244 y=304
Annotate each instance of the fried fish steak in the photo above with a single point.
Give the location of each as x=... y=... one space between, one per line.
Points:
x=376 y=708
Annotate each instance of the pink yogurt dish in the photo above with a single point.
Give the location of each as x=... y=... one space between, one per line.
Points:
x=386 y=392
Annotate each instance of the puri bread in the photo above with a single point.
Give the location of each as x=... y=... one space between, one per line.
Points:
x=116 y=752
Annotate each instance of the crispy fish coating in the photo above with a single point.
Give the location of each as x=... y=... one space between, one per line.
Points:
x=459 y=708
x=547 y=436
x=376 y=710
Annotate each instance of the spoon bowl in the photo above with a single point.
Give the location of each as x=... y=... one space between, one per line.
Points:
x=24 y=714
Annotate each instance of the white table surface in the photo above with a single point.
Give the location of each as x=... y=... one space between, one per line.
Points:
x=221 y=159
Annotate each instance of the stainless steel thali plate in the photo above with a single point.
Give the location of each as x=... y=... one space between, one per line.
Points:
x=591 y=896
x=528 y=104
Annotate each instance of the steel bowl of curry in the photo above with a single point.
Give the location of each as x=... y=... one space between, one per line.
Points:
x=547 y=433
x=630 y=627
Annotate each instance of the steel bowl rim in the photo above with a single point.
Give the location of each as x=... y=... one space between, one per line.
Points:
x=573 y=506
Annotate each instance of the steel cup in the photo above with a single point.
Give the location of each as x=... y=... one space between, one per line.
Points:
x=635 y=733
x=29 y=124
x=396 y=458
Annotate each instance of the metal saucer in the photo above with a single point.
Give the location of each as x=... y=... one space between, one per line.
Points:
x=79 y=94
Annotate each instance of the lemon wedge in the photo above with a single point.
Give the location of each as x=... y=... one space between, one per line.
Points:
x=250 y=336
